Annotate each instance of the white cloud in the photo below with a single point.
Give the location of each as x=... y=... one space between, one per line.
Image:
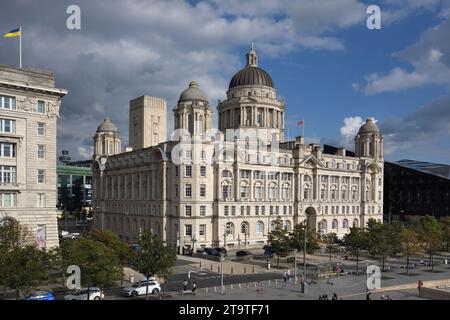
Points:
x=349 y=130
x=86 y=153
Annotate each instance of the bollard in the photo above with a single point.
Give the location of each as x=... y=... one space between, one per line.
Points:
x=245 y=269
x=218 y=269
x=200 y=264
x=206 y=290
x=253 y=269
x=211 y=267
x=231 y=270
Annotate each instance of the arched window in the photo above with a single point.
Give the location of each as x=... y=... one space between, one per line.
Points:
x=286 y=159
x=323 y=192
x=259 y=227
x=226 y=174
x=345 y=224
x=355 y=223
x=244 y=190
x=367 y=193
x=306 y=191
x=285 y=192
x=323 y=226
x=344 y=193
x=333 y=192
x=226 y=190
x=258 y=157
x=354 y=193
x=229 y=228
x=258 y=191
x=334 y=224
x=272 y=191
x=245 y=228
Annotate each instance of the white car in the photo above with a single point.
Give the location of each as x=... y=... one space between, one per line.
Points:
x=140 y=288
x=94 y=294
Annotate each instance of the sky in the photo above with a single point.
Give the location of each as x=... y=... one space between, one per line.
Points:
x=330 y=68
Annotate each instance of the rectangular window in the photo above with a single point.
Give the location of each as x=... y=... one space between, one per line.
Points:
x=203 y=190
x=188 y=229
x=226 y=210
x=233 y=210
x=284 y=209
x=40 y=107
x=40 y=176
x=40 y=200
x=263 y=210
x=225 y=192
x=290 y=210
x=7 y=174
x=202 y=211
x=176 y=171
x=7 y=200
x=7 y=102
x=271 y=210
x=41 y=129
x=202 y=171
x=337 y=210
x=248 y=210
x=203 y=154
x=326 y=209
x=41 y=151
x=242 y=210
x=176 y=191
x=277 y=210
x=202 y=230
x=188 y=190
x=7 y=126
x=8 y=150
x=257 y=210
x=188 y=211
x=188 y=171
x=188 y=154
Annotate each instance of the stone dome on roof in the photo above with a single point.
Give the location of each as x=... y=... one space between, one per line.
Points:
x=193 y=93
x=251 y=74
x=108 y=126
x=369 y=127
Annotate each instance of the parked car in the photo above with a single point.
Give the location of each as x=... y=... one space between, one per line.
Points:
x=140 y=288
x=221 y=250
x=136 y=247
x=94 y=294
x=243 y=253
x=41 y=295
x=212 y=252
x=152 y=278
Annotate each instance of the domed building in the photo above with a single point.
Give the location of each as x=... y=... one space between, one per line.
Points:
x=225 y=188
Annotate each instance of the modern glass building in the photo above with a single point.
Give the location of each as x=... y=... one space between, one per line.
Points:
x=416 y=188
x=74 y=188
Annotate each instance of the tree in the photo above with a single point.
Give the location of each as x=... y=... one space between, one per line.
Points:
x=99 y=264
x=354 y=242
x=431 y=234
x=445 y=222
x=378 y=241
x=154 y=258
x=24 y=268
x=279 y=241
x=410 y=244
x=394 y=237
x=330 y=239
x=12 y=235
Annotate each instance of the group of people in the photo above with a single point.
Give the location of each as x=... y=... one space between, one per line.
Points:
x=287 y=275
x=194 y=287
x=325 y=297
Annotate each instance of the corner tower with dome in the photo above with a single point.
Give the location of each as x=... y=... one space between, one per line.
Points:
x=204 y=190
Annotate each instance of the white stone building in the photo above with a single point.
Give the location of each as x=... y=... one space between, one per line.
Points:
x=29 y=109
x=206 y=187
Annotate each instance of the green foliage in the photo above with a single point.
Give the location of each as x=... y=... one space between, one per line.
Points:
x=355 y=241
x=279 y=240
x=99 y=264
x=24 y=268
x=445 y=222
x=120 y=249
x=379 y=241
x=410 y=244
x=431 y=234
x=154 y=258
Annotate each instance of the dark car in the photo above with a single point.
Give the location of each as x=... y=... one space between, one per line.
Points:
x=243 y=253
x=221 y=250
x=41 y=295
x=212 y=252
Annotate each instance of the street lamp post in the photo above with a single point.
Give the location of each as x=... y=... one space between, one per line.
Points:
x=304 y=251
x=295 y=266
x=221 y=274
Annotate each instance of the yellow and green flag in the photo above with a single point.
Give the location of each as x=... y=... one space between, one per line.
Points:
x=13 y=33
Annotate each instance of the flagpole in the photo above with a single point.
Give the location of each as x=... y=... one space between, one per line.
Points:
x=20 y=29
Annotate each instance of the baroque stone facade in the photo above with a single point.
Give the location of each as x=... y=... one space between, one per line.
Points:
x=206 y=187
x=29 y=109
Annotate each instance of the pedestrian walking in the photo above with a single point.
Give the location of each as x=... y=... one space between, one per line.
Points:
x=419 y=285
x=335 y=297
x=288 y=275
x=185 y=285
x=194 y=288
x=368 y=296
x=285 y=276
